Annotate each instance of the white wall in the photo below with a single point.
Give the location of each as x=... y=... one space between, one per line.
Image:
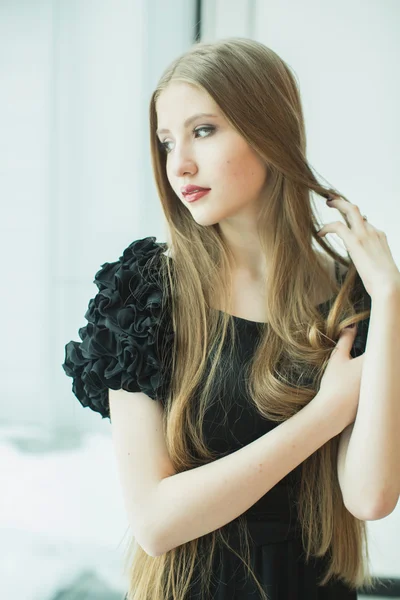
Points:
x=76 y=183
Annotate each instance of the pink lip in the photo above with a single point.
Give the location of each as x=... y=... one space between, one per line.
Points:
x=195 y=196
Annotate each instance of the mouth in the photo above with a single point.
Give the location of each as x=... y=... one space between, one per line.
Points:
x=195 y=195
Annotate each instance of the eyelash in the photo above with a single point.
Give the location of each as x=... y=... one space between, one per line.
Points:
x=163 y=145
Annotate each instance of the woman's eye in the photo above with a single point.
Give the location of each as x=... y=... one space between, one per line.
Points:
x=166 y=149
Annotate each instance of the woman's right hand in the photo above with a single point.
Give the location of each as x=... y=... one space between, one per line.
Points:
x=340 y=384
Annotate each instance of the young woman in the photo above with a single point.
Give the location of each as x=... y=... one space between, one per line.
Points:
x=251 y=442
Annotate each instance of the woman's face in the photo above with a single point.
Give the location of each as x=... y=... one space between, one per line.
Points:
x=217 y=157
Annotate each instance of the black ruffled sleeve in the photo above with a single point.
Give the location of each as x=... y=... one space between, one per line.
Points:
x=126 y=340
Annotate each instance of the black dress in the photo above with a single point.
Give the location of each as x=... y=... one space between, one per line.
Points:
x=120 y=348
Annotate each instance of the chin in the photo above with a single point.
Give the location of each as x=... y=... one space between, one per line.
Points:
x=204 y=221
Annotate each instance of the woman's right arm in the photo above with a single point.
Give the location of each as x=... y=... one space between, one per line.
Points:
x=195 y=502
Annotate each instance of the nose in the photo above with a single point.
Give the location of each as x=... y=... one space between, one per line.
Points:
x=182 y=162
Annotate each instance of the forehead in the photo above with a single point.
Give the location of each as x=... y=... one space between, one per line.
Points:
x=180 y=102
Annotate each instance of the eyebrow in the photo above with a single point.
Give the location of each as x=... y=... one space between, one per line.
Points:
x=188 y=121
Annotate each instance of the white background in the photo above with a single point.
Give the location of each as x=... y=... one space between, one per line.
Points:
x=76 y=188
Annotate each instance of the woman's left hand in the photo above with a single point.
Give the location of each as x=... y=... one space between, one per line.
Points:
x=367 y=246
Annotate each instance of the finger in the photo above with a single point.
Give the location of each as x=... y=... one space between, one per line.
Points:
x=341 y=230
x=346 y=339
x=348 y=332
x=351 y=212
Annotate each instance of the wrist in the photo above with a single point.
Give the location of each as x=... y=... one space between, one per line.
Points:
x=329 y=413
x=387 y=292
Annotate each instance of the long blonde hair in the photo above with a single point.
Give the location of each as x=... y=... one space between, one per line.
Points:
x=298 y=335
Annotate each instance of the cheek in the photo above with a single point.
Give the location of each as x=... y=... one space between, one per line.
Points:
x=245 y=178
x=231 y=169
x=239 y=166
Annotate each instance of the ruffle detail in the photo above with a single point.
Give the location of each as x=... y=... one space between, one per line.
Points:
x=126 y=341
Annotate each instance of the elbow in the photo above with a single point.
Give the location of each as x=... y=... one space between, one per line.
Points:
x=157 y=530
x=385 y=507
x=363 y=514
x=156 y=543
x=149 y=544
x=145 y=533
x=146 y=522
x=160 y=545
x=153 y=551
x=382 y=508
x=160 y=530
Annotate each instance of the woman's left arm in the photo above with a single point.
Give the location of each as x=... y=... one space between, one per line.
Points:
x=372 y=463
